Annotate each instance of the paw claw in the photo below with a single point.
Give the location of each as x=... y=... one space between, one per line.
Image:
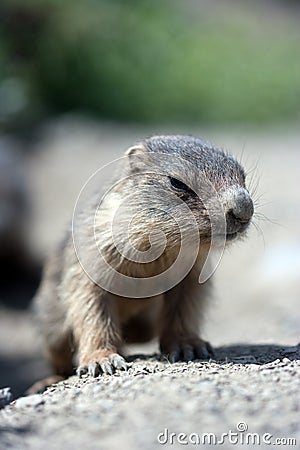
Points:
x=188 y=354
x=107 y=367
x=201 y=352
x=119 y=362
x=210 y=350
x=81 y=371
x=93 y=369
x=174 y=356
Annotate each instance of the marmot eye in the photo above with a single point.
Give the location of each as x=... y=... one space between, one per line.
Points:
x=179 y=185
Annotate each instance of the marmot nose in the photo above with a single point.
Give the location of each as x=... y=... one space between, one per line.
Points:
x=241 y=209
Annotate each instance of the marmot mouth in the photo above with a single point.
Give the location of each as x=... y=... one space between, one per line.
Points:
x=231 y=236
x=228 y=236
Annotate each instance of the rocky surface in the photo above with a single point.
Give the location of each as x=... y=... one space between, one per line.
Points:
x=248 y=390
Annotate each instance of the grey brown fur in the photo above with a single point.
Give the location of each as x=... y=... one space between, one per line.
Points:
x=79 y=318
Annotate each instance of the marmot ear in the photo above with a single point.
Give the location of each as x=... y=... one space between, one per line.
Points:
x=136 y=157
x=135 y=150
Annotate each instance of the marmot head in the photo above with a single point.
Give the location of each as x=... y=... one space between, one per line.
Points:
x=170 y=170
x=173 y=200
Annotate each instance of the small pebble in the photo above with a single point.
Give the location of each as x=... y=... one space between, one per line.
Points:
x=286 y=360
x=5 y=397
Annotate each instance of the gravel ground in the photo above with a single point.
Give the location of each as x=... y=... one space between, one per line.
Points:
x=241 y=393
x=253 y=322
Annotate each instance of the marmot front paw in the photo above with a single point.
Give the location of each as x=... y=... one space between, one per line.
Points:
x=101 y=361
x=185 y=348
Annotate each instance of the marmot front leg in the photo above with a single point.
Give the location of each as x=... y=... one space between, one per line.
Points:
x=180 y=323
x=93 y=319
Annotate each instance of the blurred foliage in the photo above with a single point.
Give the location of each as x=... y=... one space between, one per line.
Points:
x=146 y=61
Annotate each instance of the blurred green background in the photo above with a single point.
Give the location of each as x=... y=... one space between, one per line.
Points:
x=151 y=62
